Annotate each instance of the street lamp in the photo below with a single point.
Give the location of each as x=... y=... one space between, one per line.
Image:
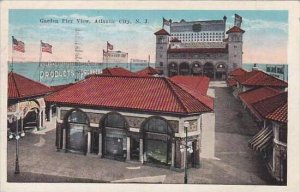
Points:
x=187 y=147
x=17 y=136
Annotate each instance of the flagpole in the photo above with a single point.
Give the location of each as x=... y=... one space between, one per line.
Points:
x=12 y=54
x=106 y=54
x=40 y=58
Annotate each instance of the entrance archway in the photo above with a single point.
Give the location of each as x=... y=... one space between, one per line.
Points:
x=157 y=135
x=31 y=120
x=114 y=135
x=208 y=70
x=77 y=128
x=221 y=71
x=184 y=69
x=173 y=69
x=196 y=68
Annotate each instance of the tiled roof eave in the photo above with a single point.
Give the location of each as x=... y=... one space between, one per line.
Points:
x=277 y=121
x=28 y=97
x=130 y=109
x=269 y=85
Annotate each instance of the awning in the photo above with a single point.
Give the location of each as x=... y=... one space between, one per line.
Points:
x=262 y=140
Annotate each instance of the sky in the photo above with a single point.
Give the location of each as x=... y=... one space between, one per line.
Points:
x=265 y=39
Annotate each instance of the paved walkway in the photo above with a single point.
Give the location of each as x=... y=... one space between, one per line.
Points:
x=237 y=164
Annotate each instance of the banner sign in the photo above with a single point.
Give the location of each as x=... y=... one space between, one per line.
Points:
x=115 y=57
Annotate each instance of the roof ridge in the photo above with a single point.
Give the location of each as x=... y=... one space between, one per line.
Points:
x=185 y=89
x=32 y=80
x=263 y=87
x=176 y=95
x=13 y=77
x=262 y=100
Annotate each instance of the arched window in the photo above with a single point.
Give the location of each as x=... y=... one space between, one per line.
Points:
x=157 y=137
x=114 y=120
x=115 y=137
x=77 y=124
x=157 y=125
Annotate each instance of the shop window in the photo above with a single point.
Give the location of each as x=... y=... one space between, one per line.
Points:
x=156 y=125
x=115 y=120
x=77 y=124
x=77 y=117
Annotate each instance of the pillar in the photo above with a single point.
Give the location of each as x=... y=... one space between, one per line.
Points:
x=173 y=155
x=64 y=139
x=40 y=120
x=22 y=127
x=128 y=149
x=141 y=151
x=100 y=145
x=50 y=113
x=44 y=117
x=88 y=143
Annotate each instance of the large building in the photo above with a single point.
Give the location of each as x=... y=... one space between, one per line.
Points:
x=199 y=48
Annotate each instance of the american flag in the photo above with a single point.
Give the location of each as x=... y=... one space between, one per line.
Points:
x=110 y=46
x=18 y=45
x=46 y=47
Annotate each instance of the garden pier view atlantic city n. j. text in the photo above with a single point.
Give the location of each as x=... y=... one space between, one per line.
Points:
x=140 y=96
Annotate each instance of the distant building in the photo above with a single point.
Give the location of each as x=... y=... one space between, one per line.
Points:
x=199 y=48
x=255 y=79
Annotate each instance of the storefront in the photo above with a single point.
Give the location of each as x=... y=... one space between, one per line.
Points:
x=125 y=133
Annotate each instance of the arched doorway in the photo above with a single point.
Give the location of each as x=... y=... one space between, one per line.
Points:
x=184 y=69
x=31 y=119
x=208 y=70
x=114 y=135
x=157 y=135
x=221 y=71
x=196 y=68
x=77 y=124
x=173 y=69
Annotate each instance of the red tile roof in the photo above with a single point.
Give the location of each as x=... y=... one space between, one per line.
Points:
x=60 y=87
x=117 y=71
x=235 y=29
x=269 y=105
x=280 y=114
x=197 y=88
x=20 y=87
x=198 y=50
x=237 y=72
x=260 y=78
x=252 y=96
x=147 y=71
x=231 y=82
x=161 y=32
x=197 y=83
x=151 y=94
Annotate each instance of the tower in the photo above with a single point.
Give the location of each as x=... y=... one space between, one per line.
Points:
x=162 y=45
x=235 y=48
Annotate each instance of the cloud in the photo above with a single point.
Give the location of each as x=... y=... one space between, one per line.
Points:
x=259 y=24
